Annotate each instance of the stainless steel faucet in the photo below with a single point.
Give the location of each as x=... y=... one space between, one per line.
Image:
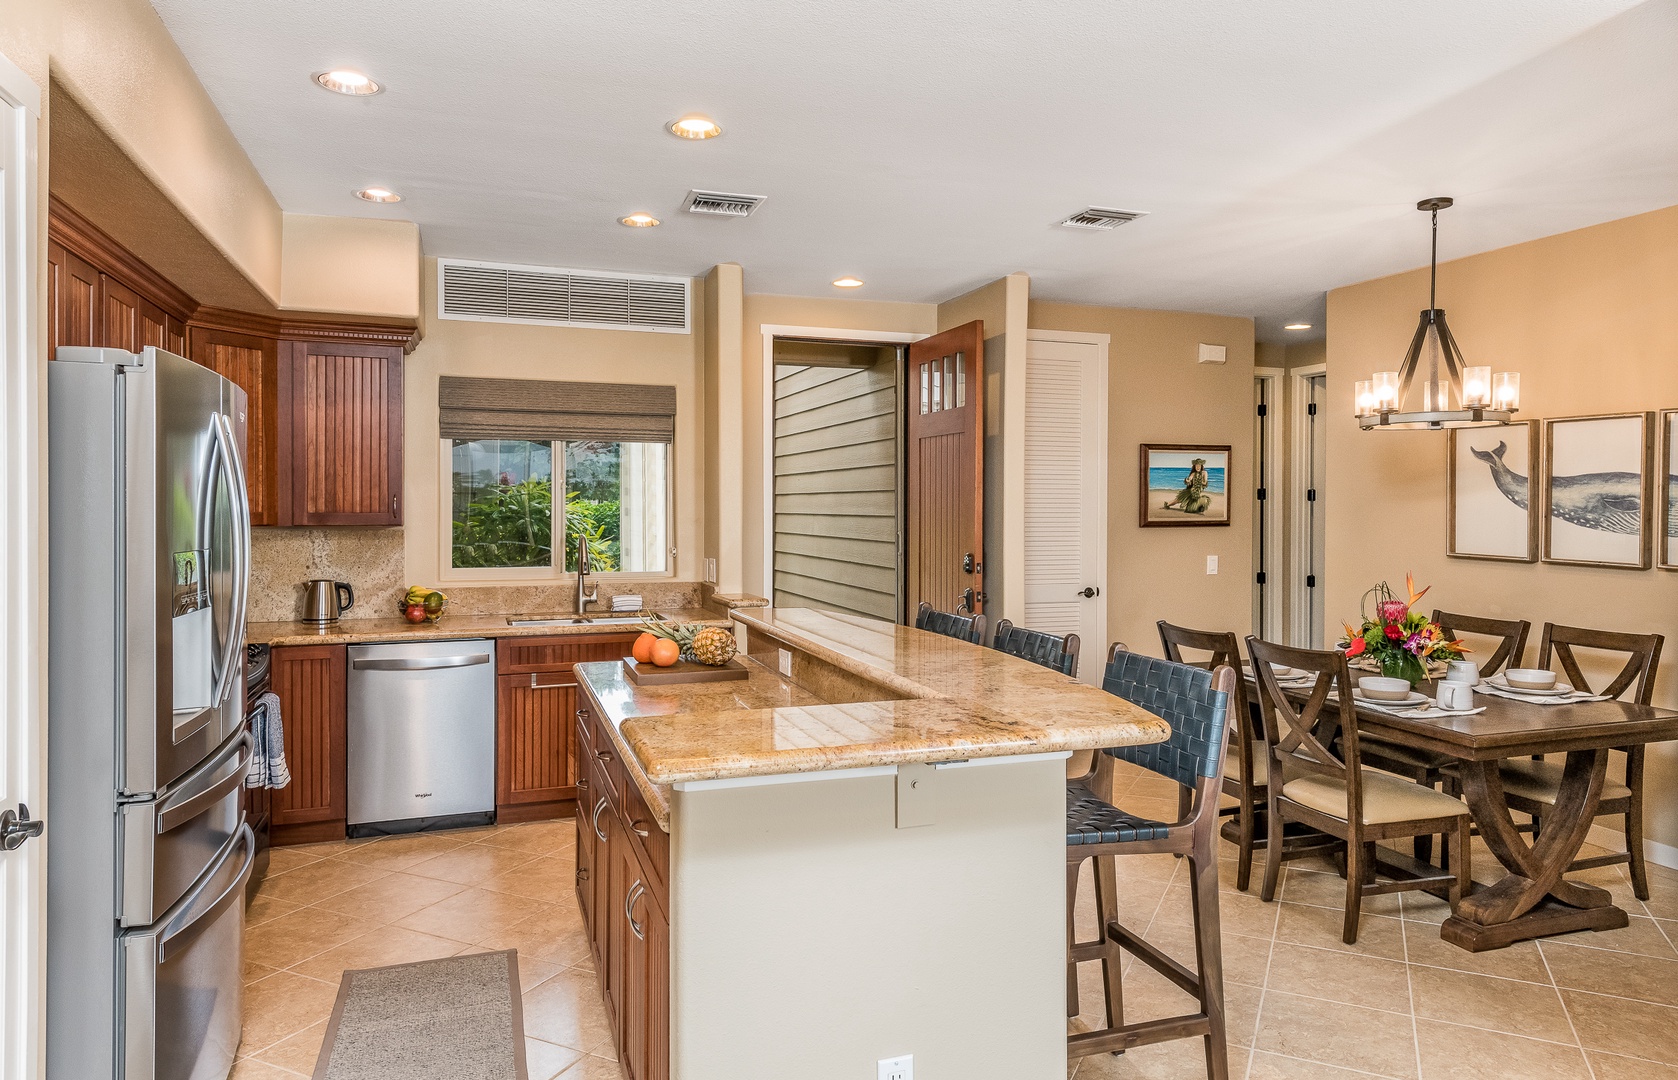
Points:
x=593 y=595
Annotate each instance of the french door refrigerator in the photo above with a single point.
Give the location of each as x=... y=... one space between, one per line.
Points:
x=147 y=851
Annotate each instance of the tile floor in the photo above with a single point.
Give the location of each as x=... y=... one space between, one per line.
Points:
x=1400 y=1003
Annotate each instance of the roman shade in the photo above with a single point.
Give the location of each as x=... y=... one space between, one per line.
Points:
x=544 y=409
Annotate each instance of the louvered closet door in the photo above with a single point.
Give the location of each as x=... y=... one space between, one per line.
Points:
x=1065 y=494
x=836 y=488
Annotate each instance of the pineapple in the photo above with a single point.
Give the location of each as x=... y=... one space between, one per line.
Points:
x=714 y=646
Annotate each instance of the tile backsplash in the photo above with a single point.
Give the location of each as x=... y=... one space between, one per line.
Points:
x=372 y=560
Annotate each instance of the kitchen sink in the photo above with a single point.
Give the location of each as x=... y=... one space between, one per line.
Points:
x=572 y=620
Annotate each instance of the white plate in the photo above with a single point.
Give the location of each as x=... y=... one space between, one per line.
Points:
x=1413 y=700
x=1558 y=690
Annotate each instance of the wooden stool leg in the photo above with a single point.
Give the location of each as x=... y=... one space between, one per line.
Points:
x=1112 y=960
x=1354 y=889
x=1272 y=851
x=1208 y=944
x=1072 y=867
x=1634 y=847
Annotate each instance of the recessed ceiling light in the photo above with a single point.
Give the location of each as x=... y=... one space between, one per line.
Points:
x=638 y=221
x=344 y=81
x=695 y=127
x=378 y=194
x=848 y=282
x=1297 y=326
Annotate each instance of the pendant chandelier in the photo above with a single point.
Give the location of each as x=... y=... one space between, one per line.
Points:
x=1433 y=389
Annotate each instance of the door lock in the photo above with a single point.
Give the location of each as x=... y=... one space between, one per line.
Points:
x=968 y=564
x=966 y=601
x=17 y=827
x=1088 y=591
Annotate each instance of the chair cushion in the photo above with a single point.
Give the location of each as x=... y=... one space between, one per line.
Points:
x=1090 y=820
x=1540 y=781
x=1261 y=765
x=1386 y=798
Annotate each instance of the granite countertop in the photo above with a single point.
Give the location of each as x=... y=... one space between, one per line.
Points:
x=450 y=627
x=940 y=700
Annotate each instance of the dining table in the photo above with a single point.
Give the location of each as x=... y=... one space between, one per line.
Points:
x=1534 y=898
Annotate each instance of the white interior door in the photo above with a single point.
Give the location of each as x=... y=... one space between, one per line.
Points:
x=1066 y=490
x=22 y=879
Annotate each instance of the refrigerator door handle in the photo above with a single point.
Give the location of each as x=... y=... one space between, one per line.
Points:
x=238 y=497
x=182 y=806
x=193 y=918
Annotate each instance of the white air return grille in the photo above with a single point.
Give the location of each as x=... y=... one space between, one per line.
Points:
x=1101 y=217
x=721 y=203
x=496 y=292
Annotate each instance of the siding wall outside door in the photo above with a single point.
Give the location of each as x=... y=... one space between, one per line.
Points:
x=837 y=488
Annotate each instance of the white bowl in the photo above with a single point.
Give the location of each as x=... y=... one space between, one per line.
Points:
x=1380 y=688
x=1530 y=678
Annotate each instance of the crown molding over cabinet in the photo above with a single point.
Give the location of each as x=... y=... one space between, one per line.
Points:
x=324 y=394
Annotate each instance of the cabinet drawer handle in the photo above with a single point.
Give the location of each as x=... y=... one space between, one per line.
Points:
x=582 y=874
x=639 y=828
x=582 y=785
x=603 y=755
x=582 y=714
x=635 y=893
x=595 y=821
x=537 y=685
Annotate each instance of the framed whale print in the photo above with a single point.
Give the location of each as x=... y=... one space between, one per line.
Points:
x=1493 y=508
x=1599 y=505
x=1666 y=476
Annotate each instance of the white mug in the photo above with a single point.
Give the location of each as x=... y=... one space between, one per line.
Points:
x=1463 y=671
x=1456 y=695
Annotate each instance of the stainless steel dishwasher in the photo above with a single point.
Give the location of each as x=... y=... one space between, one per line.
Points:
x=421 y=736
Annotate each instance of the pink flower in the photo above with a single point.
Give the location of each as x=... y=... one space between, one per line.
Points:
x=1392 y=611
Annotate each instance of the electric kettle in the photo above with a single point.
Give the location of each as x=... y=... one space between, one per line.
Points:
x=324 y=600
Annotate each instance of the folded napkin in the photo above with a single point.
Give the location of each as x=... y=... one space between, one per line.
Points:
x=268 y=768
x=1425 y=711
x=626 y=602
x=1538 y=699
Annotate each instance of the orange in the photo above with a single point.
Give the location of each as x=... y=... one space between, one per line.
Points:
x=666 y=652
x=642 y=650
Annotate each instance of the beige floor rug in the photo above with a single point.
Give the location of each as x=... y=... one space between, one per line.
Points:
x=458 y=1018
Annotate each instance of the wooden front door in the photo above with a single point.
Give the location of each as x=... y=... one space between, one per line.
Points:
x=946 y=451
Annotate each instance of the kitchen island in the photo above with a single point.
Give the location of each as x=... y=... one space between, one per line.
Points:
x=856 y=853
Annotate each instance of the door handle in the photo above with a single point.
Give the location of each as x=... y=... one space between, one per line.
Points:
x=1088 y=591
x=16 y=827
x=420 y=665
x=595 y=821
x=635 y=893
x=639 y=828
x=966 y=601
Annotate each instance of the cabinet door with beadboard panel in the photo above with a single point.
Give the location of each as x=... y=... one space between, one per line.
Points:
x=72 y=298
x=253 y=364
x=311 y=681
x=535 y=773
x=344 y=404
x=119 y=315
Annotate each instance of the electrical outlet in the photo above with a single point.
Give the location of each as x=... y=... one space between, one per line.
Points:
x=1211 y=564
x=786 y=662
x=898 y=1068
x=710 y=571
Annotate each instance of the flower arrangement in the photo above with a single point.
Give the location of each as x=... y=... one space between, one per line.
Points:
x=1402 y=641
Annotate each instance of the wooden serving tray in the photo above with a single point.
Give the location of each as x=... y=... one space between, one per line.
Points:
x=682 y=671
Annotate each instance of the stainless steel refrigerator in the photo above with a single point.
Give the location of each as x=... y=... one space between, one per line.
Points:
x=148 y=852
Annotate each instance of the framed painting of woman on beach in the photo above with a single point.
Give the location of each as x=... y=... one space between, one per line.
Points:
x=1184 y=485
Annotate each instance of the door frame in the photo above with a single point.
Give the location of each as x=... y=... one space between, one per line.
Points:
x=22 y=622
x=1274 y=506
x=1299 y=517
x=1092 y=654
x=771 y=331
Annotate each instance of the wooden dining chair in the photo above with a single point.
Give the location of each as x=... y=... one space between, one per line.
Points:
x=1196 y=702
x=1056 y=652
x=1510 y=635
x=1532 y=787
x=1317 y=777
x=1244 y=770
x=965 y=627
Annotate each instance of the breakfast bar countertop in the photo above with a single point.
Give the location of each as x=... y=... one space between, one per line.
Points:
x=453 y=627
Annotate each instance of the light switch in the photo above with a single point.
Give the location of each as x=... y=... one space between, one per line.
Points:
x=1211 y=564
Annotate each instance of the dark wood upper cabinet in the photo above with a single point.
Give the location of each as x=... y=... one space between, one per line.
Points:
x=72 y=298
x=344 y=404
x=253 y=363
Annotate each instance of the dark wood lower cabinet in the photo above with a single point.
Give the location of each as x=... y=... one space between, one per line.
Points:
x=311 y=683
x=625 y=907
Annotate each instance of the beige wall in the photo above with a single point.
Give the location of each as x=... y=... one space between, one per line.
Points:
x=828 y=313
x=723 y=420
x=510 y=350
x=1590 y=320
x=1158 y=393
x=365 y=266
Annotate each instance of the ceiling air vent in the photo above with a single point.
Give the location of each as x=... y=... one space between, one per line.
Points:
x=550 y=296
x=721 y=203
x=1101 y=217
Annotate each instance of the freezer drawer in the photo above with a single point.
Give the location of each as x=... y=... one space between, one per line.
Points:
x=421 y=731
x=182 y=980
x=167 y=842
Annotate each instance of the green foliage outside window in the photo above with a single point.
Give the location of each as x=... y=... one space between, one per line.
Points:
x=511 y=525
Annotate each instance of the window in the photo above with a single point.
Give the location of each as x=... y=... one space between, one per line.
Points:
x=615 y=496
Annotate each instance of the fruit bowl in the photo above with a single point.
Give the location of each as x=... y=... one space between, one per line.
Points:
x=421 y=604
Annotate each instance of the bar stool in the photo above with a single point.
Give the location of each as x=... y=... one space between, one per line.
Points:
x=1057 y=653
x=965 y=627
x=1196 y=702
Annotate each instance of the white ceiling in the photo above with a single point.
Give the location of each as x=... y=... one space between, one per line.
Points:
x=929 y=147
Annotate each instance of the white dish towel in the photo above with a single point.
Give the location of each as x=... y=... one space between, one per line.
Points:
x=268 y=767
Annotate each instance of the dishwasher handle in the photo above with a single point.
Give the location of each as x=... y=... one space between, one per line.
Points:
x=428 y=663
